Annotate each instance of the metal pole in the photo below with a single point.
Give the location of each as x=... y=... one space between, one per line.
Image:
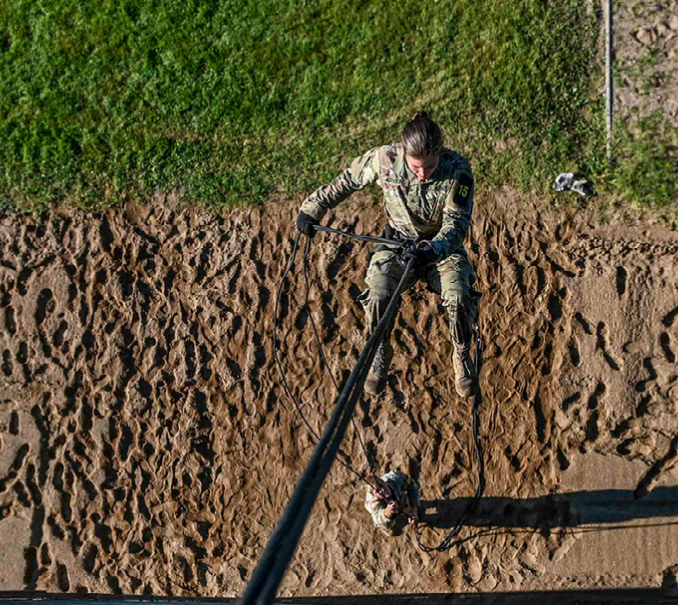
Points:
x=609 y=90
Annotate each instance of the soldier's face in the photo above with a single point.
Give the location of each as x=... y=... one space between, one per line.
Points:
x=423 y=167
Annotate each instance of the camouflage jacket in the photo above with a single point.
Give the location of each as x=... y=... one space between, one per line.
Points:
x=438 y=208
x=406 y=494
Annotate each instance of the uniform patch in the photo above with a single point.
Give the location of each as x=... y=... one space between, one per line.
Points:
x=464 y=189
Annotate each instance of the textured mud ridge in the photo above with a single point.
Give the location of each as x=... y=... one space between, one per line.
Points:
x=147 y=445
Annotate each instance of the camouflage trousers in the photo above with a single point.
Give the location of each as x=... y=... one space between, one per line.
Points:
x=452 y=279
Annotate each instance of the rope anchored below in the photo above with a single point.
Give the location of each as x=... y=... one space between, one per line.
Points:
x=278 y=552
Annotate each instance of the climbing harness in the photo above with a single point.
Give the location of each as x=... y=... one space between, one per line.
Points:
x=268 y=574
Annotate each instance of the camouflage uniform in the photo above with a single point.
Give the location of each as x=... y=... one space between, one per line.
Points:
x=437 y=209
x=406 y=494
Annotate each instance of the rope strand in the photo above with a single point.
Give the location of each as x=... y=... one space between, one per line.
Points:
x=280 y=547
x=446 y=543
x=370 y=460
x=276 y=323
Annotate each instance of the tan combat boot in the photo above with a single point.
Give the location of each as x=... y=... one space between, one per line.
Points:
x=465 y=379
x=376 y=378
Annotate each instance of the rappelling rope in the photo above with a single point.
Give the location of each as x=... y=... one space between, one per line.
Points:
x=280 y=547
x=266 y=578
x=371 y=462
x=362 y=238
x=288 y=390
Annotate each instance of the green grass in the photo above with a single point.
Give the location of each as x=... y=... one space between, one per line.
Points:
x=647 y=169
x=233 y=101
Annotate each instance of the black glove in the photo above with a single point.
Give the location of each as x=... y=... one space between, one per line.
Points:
x=305 y=224
x=423 y=257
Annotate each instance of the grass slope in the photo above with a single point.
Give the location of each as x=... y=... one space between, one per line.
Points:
x=232 y=100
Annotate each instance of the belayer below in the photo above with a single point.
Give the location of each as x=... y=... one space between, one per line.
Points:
x=396 y=494
x=428 y=198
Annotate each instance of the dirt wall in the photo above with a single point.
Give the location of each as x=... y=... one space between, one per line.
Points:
x=147 y=445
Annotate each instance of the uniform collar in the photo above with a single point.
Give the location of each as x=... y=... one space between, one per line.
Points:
x=400 y=166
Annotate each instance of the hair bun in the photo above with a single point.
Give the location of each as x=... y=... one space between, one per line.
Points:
x=420 y=115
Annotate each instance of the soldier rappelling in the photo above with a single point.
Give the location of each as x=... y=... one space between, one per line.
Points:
x=428 y=199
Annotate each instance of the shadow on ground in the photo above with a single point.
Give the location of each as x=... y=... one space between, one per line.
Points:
x=625 y=596
x=555 y=510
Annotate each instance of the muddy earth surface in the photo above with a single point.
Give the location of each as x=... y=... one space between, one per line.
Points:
x=147 y=445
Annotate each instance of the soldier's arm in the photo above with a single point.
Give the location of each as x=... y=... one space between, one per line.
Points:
x=363 y=171
x=456 y=214
x=380 y=519
x=377 y=509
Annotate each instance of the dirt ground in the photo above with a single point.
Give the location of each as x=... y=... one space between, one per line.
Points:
x=646 y=59
x=146 y=443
